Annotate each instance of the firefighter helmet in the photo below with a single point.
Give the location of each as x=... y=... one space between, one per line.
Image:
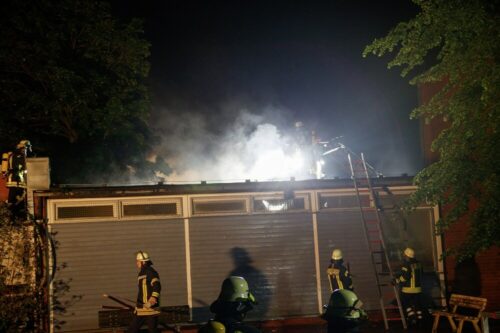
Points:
x=337 y=254
x=235 y=288
x=344 y=304
x=23 y=144
x=142 y=256
x=213 y=327
x=409 y=252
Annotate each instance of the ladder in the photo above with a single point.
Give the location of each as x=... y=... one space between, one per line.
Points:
x=374 y=237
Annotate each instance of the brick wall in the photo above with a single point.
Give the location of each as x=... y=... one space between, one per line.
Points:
x=429 y=130
x=488 y=263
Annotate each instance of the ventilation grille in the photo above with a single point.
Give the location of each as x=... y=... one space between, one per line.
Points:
x=150 y=209
x=84 y=212
x=338 y=201
x=212 y=207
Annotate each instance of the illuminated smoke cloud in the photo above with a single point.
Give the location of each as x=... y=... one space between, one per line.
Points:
x=245 y=147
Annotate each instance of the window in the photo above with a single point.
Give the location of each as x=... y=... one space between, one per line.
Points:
x=151 y=209
x=265 y=205
x=78 y=212
x=332 y=201
x=219 y=206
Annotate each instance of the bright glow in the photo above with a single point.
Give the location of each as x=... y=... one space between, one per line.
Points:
x=319 y=169
x=273 y=207
x=275 y=164
x=248 y=150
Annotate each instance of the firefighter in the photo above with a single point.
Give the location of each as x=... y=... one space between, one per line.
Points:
x=338 y=275
x=343 y=312
x=14 y=170
x=148 y=298
x=231 y=307
x=409 y=281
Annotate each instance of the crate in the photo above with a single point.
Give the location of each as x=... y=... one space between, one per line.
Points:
x=123 y=317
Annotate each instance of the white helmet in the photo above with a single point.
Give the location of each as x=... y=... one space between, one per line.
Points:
x=24 y=144
x=409 y=252
x=337 y=254
x=142 y=256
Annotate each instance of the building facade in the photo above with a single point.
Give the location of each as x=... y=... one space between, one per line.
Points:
x=278 y=235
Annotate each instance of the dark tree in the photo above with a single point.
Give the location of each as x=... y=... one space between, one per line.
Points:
x=73 y=82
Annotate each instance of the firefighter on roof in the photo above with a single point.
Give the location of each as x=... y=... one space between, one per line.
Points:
x=338 y=275
x=409 y=280
x=14 y=170
x=148 y=298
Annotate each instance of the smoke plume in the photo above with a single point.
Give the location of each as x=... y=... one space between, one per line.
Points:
x=235 y=145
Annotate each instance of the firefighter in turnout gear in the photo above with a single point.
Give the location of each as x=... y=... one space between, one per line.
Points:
x=14 y=170
x=338 y=275
x=343 y=312
x=409 y=281
x=148 y=297
x=231 y=307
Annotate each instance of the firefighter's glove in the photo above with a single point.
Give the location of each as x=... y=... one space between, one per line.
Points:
x=150 y=303
x=394 y=282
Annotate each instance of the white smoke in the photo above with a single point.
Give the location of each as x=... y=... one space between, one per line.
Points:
x=246 y=146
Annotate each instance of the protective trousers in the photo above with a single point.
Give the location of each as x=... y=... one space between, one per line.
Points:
x=138 y=321
x=412 y=305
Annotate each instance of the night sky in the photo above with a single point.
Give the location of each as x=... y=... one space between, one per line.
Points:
x=280 y=62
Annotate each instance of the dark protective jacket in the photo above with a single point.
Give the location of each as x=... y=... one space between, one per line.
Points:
x=16 y=168
x=148 y=283
x=231 y=315
x=410 y=277
x=226 y=310
x=339 y=275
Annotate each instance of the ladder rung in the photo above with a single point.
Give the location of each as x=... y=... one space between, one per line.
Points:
x=391 y=307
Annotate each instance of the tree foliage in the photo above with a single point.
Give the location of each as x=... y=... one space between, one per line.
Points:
x=17 y=312
x=72 y=81
x=23 y=293
x=456 y=43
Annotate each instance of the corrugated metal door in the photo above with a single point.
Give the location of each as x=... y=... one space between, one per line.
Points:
x=99 y=258
x=274 y=252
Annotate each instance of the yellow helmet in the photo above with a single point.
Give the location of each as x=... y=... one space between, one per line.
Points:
x=337 y=254
x=213 y=327
x=235 y=288
x=409 y=252
x=142 y=256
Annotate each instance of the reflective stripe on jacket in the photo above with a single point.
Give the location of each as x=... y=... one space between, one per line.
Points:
x=339 y=276
x=410 y=277
x=148 y=283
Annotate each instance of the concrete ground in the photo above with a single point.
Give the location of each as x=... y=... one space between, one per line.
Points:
x=444 y=327
x=369 y=327
x=317 y=325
